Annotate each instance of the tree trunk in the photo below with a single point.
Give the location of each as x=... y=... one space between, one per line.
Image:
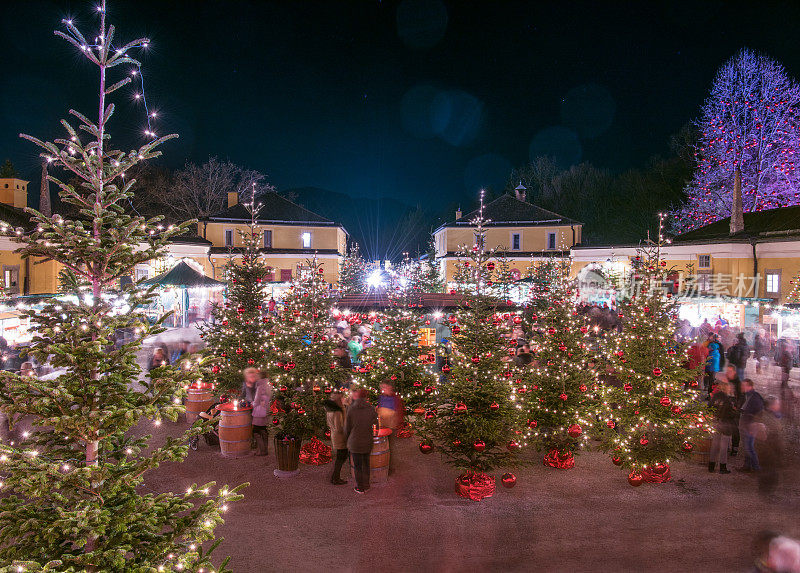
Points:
x=737 y=217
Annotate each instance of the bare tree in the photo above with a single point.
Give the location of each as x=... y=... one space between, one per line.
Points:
x=749 y=139
x=202 y=190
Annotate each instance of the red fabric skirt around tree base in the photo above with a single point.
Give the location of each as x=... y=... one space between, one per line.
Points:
x=315 y=453
x=659 y=473
x=560 y=460
x=475 y=485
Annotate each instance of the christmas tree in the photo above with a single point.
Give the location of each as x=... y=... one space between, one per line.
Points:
x=649 y=417
x=72 y=489
x=304 y=364
x=560 y=385
x=473 y=417
x=353 y=272
x=237 y=336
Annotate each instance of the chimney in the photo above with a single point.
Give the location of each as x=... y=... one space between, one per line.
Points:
x=521 y=191
x=458 y=213
x=737 y=217
x=44 y=193
x=233 y=198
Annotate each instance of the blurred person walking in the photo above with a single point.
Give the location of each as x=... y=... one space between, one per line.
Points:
x=753 y=405
x=768 y=433
x=358 y=428
x=761 y=350
x=722 y=406
x=390 y=415
x=261 y=402
x=738 y=354
x=335 y=416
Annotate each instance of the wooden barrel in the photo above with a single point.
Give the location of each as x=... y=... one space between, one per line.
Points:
x=287 y=453
x=378 y=461
x=199 y=398
x=701 y=453
x=235 y=430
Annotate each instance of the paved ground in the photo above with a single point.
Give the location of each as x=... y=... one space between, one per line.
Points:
x=584 y=519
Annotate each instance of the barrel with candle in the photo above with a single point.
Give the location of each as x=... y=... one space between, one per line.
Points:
x=379 y=458
x=199 y=398
x=235 y=429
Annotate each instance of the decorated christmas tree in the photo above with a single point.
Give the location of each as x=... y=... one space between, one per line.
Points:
x=473 y=417
x=353 y=272
x=649 y=417
x=237 y=336
x=72 y=496
x=303 y=367
x=561 y=383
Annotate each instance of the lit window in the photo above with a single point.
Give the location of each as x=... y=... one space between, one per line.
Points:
x=516 y=241
x=306 y=238
x=286 y=275
x=228 y=237
x=551 y=241
x=704 y=261
x=267 y=239
x=773 y=282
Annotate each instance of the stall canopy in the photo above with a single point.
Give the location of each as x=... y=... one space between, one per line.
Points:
x=183 y=276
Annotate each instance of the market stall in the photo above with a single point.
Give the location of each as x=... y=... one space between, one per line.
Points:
x=185 y=292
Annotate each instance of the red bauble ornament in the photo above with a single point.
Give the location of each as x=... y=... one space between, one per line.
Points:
x=611 y=424
x=291 y=365
x=456 y=329
x=574 y=431
x=494 y=406
x=635 y=479
x=430 y=414
x=301 y=411
x=460 y=408
x=508 y=480
x=283 y=389
x=644 y=441
x=476 y=359
x=616 y=461
x=428 y=389
x=627 y=387
x=239 y=351
x=224 y=323
x=251 y=361
x=426 y=447
x=517 y=319
x=676 y=410
x=563 y=397
x=656 y=371
x=490 y=266
x=215 y=369
x=479 y=446
x=532 y=423
x=417 y=384
x=512 y=445
x=665 y=401
x=582 y=387
x=687 y=447
x=393 y=377
x=328 y=434
x=456 y=443
x=446 y=368
x=275 y=421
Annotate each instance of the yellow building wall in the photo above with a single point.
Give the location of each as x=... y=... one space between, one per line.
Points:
x=450 y=266
x=533 y=238
x=330 y=267
x=283 y=236
x=14 y=192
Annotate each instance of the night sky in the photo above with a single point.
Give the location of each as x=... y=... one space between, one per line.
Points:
x=421 y=100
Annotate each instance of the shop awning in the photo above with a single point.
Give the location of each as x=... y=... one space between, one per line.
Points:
x=183 y=276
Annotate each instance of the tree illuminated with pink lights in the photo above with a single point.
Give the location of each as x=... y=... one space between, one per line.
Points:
x=749 y=131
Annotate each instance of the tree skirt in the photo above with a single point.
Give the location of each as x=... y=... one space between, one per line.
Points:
x=475 y=486
x=657 y=474
x=560 y=460
x=315 y=453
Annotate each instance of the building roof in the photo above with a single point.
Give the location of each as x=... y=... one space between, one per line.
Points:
x=276 y=210
x=508 y=211
x=774 y=224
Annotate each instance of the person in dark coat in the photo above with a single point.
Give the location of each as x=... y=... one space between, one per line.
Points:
x=753 y=406
x=358 y=428
x=738 y=354
x=334 y=414
x=768 y=432
x=722 y=406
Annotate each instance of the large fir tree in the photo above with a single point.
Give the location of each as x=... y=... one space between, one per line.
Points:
x=237 y=337
x=561 y=383
x=72 y=498
x=474 y=418
x=650 y=415
x=353 y=271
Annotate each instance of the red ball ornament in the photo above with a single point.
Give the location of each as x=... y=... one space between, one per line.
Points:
x=512 y=445
x=430 y=414
x=275 y=421
x=251 y=361
x=687 y=447
x=224 y=323
x=456 y=329
x=476 y=359
x=426 y=447
x=291 y=365
x=532 y=424
x=508 y=480
x=456 y=443
x=393 y=377
x=446 y=368
x=283 y=389
x=644 y=441
x=584 y=330
x=494 y=406
x=428 y=389
x=616 y=461
x=635 y=479
x=611 y=424
x=215 y=369
x=656 y=371
x=574 y=431
x=239 y=351
x=460 y=408
x=665 y=401
x=628 y=387
x=417 y=384
x=563 y=397
x=479 y=445
x=490 y=266
x=517 y=319
x=582 y=387
x=676 y=410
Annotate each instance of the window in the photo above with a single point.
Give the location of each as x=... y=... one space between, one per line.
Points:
x=142 y=273
x=773 y=282
x=286 y=275
x=516 y=241
x=305 y=238
x=551 y=241
x=480 y=240
x=267 y=239
x=703 y=261
x=228 y=237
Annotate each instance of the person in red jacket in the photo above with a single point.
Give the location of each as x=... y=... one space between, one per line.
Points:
x=697 y=356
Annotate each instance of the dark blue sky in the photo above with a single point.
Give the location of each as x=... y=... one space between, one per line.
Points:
x=423 y=100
